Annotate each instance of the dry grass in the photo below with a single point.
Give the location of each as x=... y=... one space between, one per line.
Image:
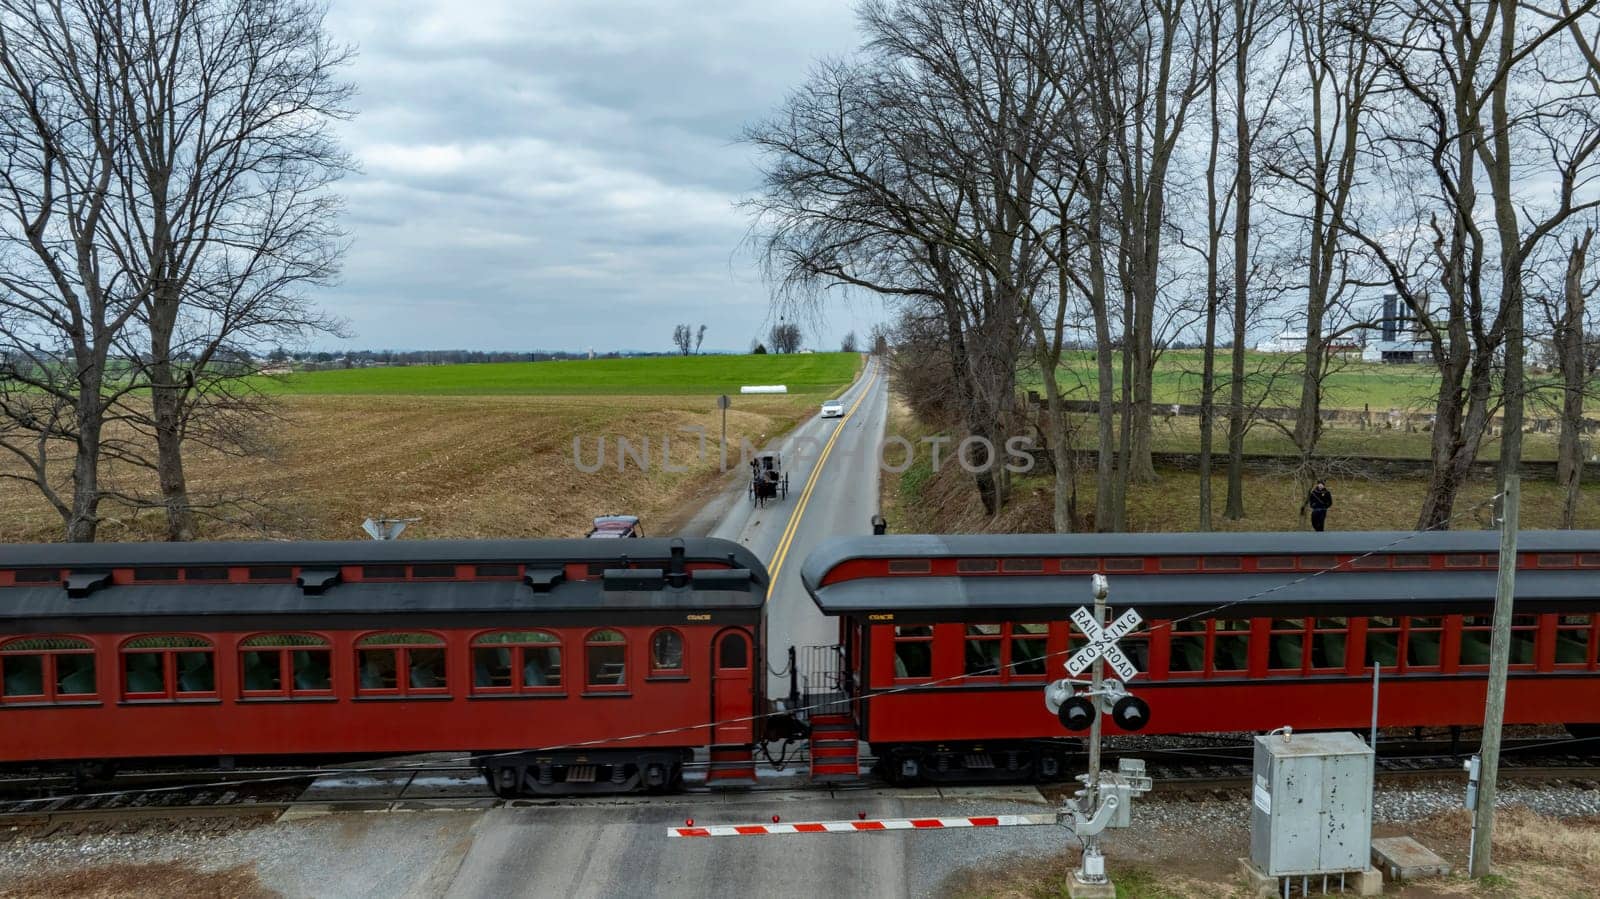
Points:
x=920 y=501
x=154 y=880
x=1536 y=857
x=467 y=466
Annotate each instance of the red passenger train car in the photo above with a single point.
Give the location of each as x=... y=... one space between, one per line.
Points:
x=565 y=665
x=947 y=642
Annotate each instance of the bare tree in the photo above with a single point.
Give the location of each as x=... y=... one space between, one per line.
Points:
x=1567 y=339
x=1318 y=158
x=213 y=120
x=848 y=344
x=65 y=306
x=784 y=337
x=1455 y=123
x=683 y=339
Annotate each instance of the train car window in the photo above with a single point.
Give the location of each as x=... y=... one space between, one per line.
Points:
x=909 y=566
x=1080 y=564
x=205 y=574
x=1383 y=642
x=1187 y=652
x=155 y=575
x=1413 y=561
x=1589 y=560
x=666 y=652
x=486 y=571
x=1368 y=562
x=913 y=651
x=977 y=566
x=984 y=645
x=168 y=667
x=735 y=654
x=1574 y=640
x=47 y=669
x=401 y=664
x=36 y=576
x=1178 y=563
x=605 y=656
x=1286 y=652
x=383 y=572
x=271 y=573
x=1475 y=637
x=1230 y=644
x=1275 y=563
x=1463 y=560
x=1028 y=651
x=1223 y=563
x=1125 y=564
x=1424 y=637
x=285 y=666
x=1318 y=563
x=1022 y=565
x=1329 y=639
x=433 y=571
x=1558 y=560
x=516 y=661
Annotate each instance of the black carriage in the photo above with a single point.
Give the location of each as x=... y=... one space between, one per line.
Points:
x=768 y=480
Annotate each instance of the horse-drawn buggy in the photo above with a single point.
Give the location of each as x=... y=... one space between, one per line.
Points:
x=768 y=480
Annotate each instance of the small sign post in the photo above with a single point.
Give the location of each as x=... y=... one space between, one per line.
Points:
x=723 y=403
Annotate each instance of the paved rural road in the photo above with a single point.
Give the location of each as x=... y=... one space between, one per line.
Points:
x=622 y=850
x=833 y=489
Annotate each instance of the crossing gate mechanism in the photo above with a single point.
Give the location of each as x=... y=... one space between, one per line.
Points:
x=863 y=825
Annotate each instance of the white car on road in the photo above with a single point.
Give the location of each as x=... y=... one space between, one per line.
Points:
x=833 y=409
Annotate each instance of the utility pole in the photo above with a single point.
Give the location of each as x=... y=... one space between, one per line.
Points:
x=1494 y=711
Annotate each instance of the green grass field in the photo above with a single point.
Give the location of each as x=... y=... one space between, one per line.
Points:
x=1177 y=380
x=810 y=373
x=1351 y=385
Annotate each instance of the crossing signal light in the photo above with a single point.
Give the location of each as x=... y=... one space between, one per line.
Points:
x=1130 y=713
x=1076 y=713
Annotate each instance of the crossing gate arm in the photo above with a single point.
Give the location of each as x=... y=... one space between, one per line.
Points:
x=862 y=826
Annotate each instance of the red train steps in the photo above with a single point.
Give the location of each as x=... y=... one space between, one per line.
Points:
x=834 y=748
x=731 y=766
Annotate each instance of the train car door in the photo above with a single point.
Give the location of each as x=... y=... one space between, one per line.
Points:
x=732 y=687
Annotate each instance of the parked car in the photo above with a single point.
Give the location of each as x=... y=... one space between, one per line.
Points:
x=833 y=409
x=608 y=526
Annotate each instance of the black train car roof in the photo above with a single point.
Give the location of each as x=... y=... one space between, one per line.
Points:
x=1337 y=592
x=544 y=596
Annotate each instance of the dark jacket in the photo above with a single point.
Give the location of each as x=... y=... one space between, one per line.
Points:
x=1319 y=499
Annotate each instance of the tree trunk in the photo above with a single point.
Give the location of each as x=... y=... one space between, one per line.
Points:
x=84 y=522
x=1241 y=271
x=167 y=393
x=1569 y=349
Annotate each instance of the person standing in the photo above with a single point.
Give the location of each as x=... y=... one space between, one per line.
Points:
x=1319 y=501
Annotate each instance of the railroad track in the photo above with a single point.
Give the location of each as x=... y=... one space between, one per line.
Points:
x=1221 y=772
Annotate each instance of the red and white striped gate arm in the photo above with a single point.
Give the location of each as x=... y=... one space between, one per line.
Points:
x=862 y=826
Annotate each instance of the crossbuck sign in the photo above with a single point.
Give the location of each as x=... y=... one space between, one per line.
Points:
x=1103 y=643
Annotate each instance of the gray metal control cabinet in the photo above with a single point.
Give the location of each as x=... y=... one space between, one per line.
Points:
x=1311 y=804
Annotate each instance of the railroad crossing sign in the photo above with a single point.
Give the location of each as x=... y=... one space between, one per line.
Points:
x=1103 y=643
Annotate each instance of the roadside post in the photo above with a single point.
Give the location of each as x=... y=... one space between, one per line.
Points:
x=723 y=403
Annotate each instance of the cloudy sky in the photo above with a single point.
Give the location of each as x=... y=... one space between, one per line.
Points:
x=563 y=174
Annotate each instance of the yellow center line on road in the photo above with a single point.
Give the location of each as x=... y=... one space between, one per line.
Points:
x=782 y=551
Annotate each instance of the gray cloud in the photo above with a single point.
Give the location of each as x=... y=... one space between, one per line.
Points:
x=563 y=174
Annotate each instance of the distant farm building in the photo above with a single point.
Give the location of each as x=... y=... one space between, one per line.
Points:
x=1399 y=343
